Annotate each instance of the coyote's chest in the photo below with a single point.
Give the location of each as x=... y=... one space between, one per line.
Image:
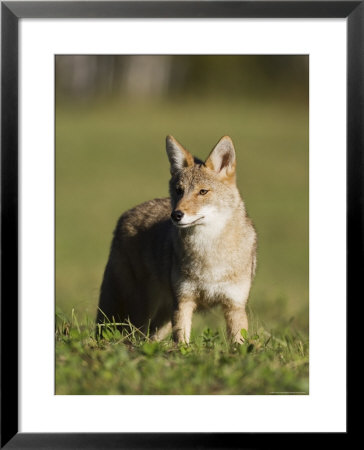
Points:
x=215 y=285
x=212 y=273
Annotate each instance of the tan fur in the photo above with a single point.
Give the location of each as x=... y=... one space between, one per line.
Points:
x=236 y=319
x=182 y=319
x=161 y=270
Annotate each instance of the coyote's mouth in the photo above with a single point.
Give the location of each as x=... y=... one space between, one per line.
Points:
x=186 y=225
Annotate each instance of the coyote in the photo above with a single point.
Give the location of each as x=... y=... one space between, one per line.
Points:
x=174 y=255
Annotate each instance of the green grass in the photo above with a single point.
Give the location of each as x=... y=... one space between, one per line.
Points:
x=130 y=363
x=109 y=157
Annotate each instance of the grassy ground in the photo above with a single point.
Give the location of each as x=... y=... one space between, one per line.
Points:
x=130 y=363
x=110 y=157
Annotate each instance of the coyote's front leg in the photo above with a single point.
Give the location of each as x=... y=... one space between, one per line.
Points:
x=182 y=319
x=236 y=319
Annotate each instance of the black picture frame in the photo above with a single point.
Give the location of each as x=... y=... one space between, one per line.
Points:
x=11 y=12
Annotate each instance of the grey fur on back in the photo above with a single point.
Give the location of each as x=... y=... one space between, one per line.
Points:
x=136 y=275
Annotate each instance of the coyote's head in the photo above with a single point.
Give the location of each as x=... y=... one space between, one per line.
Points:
x=202 y=193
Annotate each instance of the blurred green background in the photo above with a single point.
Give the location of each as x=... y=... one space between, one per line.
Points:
x=112 y=116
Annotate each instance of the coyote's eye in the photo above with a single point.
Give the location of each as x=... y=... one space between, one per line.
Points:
x=203 y=191
x=179 y=190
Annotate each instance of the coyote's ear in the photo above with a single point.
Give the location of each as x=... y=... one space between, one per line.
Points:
x=222 y=158
x=178 y=156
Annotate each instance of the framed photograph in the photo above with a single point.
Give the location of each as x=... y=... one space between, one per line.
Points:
x=181 y=220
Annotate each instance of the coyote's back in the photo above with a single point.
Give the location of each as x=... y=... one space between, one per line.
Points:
x=136 y=283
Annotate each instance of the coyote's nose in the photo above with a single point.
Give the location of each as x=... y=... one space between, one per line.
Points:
x=177 y=215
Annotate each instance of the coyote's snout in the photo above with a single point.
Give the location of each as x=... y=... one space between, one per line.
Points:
x=195 y=249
